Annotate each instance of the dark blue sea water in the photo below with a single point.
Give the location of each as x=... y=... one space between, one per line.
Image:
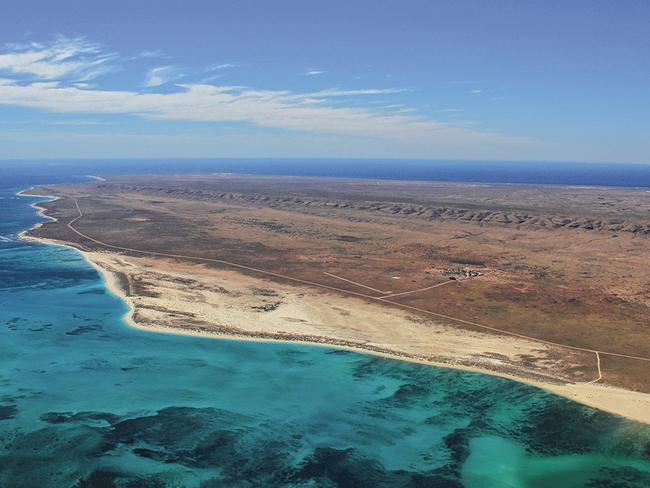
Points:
x=598 y=174
x=86 y=401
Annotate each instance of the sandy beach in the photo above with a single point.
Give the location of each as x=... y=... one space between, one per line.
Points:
x=629 y=404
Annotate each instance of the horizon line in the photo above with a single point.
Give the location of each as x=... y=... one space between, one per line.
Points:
x=316 y=158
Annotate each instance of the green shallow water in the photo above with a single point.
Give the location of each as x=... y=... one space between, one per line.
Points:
x=87 y=401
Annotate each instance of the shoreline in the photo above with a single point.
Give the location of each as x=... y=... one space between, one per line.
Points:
x=626 y=403
x=40 y=211
x=580 y=393
x=586 y=394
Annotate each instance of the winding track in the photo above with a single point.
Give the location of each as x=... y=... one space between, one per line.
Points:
x=383 y=299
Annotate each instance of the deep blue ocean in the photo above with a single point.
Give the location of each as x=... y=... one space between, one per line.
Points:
x=530 y=172
x=86 y=401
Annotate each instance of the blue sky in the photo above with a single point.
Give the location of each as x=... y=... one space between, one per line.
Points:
x=520 y=80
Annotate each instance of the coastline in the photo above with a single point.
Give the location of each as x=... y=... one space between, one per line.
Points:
x=40 y=211
x=108 y=278
x=626 y=403
x=606 y=398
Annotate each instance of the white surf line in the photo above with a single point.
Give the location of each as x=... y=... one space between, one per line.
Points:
x=96 y=178
x=355 y=283
x=23 y=193
x=419 y=289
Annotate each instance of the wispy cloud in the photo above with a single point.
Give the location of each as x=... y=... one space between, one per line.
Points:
x=264 y=108
x=476 y=92
x=351 y=93
x=156 y=53
x=72 y=59
x=214 y=72
x=162 y=75
x=211 y=78
x=47 y=77
x=217 y=67
x=314 y=72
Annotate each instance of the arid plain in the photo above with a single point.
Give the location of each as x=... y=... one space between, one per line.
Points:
x=545 y=284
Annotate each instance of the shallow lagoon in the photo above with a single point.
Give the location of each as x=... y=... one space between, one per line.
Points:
x=87 y=401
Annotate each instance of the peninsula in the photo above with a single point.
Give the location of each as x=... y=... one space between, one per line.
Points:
x=542 y=284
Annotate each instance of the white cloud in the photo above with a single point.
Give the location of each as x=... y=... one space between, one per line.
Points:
x=211 y=78
x=216 y=67
x=51 y=77
x=156 y=53
x=264 y=108
x=350 y=93
x=314 y=72
x=74 y=59
x=475 y=92
x=162 y=75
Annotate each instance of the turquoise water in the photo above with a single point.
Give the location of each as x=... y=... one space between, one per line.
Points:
x=86 y=401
